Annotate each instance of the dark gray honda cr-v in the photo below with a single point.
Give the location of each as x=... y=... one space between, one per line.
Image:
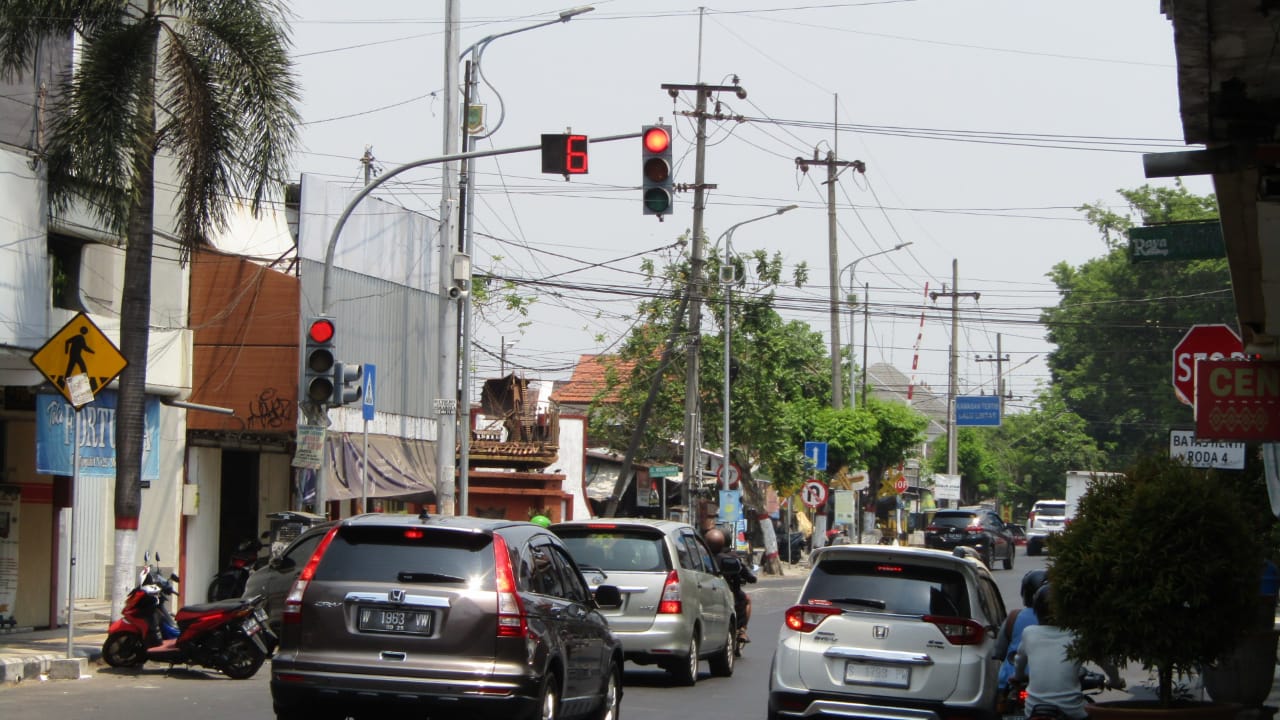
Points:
x=449 y=615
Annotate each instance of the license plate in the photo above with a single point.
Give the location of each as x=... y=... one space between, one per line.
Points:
x=880 y=675
x=251 y=626
x=409 y=622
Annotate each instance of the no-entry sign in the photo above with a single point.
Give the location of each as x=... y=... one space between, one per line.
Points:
x=1202 y=342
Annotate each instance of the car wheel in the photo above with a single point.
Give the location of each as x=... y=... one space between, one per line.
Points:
x=722 y=662
x=549 y=708
x=988 y=557
x=1008 y=560
x=686 y=672
x=1033 y=548
x=611 y=705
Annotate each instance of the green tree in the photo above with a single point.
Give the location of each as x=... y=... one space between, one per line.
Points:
x=207 y=83
x=1116 y=324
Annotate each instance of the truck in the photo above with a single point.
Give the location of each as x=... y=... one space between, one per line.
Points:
x=1077 y=484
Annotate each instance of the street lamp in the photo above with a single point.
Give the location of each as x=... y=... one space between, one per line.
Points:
x=726 y=279
x=852 y=268
x=467 y=212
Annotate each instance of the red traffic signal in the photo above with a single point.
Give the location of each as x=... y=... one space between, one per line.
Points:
x=321 y=331
x=318 y=362
x=657 y=188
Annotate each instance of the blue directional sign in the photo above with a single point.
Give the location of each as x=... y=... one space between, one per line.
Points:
x=368 y=399
x=816 y=452
x=978 y=411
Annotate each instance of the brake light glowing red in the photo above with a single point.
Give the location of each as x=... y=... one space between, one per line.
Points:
x=805 y=618
x=602 y=526
x=889 y=568
x=957 y=631
x=413 y=534
x=511 y=618
x=292 y=613
x=670 y=603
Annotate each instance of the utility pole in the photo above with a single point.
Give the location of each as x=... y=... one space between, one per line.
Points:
x=954 y=368
x=999 y=359
x=833 y=167
x=446 y=404
x=693 y=344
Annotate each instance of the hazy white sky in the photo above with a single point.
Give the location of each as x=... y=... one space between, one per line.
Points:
x=983 y=123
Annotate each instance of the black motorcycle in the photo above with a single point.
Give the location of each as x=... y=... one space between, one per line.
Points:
x=230 y=582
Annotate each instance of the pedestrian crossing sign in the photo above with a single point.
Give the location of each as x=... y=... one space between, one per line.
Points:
x=79 y=348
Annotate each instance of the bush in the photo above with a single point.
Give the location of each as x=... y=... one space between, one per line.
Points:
x=1160 y=567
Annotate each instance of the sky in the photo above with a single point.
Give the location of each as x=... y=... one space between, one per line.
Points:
x=983 y=125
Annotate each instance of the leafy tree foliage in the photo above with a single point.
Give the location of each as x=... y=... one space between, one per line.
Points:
x=1116 y=324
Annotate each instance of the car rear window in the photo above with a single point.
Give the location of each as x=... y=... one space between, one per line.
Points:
x=953 y=520
x=1051 y=510
x=889 y=587
x=408 y=555
x=619 y=549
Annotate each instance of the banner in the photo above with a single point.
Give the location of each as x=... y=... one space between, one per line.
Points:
x=56 y=422
x=10 y=500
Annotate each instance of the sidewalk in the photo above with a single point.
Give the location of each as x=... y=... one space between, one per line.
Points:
x=30 y=654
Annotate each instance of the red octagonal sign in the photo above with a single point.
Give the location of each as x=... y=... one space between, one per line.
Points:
x=1214 y=342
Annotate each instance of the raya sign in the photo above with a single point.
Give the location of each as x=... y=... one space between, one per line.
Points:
x=1237 y=400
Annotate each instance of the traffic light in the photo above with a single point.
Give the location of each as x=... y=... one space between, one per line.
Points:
x=347 y=387
x=318 y=363
x=658 y=189
x=564 y=154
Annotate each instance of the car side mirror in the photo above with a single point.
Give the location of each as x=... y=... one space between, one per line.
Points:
x=608 y=596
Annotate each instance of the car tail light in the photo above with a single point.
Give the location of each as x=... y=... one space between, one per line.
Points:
x=804 y=618
x=932 y=529
x=511 y=618
x=670 y=603
x=973 y=529
x=292 y=613
x=1031 y=518
x=957 y=631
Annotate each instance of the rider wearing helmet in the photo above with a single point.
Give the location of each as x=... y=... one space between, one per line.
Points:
x=1042 y=662
x=541 y=521
x=1011 y=629
x=736 y=573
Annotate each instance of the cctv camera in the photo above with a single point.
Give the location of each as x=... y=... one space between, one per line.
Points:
x=456 y=293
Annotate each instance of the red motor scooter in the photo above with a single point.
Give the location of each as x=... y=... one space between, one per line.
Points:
x=230 y=636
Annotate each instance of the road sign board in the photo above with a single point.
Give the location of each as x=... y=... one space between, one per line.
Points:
x=978 y=411
x=79 y=348
x=814 y=493
x=900 y=485
x=817 y=454
x=1176 y=241
x=1212 y=342
x=1184 y=446
x=658 y=471
x=946 y=487
x=734 y=474
x=368 y=399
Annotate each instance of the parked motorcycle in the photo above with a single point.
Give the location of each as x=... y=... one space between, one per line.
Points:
x=230 y=582
x=231 y=636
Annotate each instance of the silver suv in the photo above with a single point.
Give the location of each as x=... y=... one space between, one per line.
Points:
x=454 y=615
x=676 y=609
x=889 y=632
x=1047 y=517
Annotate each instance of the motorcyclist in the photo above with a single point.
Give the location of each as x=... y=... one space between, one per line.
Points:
x=1010 y=634
x=1051 y=676
x=736 y=573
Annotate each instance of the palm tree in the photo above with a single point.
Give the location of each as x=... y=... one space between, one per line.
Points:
x=208 y=83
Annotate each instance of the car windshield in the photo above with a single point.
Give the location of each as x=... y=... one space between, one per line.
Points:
x=1051 y=510
x=409 y=555
x=953 y=520
x=616 y=549
x=889 y=586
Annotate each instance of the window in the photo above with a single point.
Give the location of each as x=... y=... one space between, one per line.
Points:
x=570 y=580
x=686 y=555
x=890 y=587
x=64 y=259
x=544 y=575
x=391 y=555
x=989 y=599
x=707 y=564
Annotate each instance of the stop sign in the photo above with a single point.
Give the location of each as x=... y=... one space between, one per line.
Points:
x=900 y=485
x=1214 y=342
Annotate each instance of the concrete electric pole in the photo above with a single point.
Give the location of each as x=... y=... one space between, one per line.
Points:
x=954 y=364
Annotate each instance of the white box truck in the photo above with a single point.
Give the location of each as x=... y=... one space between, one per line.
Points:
x=1077 y=484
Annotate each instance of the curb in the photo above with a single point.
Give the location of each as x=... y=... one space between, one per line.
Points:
x=50 y=666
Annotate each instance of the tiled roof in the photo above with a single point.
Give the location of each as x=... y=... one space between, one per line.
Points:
x=589 y=379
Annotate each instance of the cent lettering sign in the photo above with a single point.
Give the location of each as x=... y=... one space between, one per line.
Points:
x=1202 y=342
x=1238 y=400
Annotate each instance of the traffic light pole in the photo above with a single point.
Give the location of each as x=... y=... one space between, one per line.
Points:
x=319 y=414
x=692 y=438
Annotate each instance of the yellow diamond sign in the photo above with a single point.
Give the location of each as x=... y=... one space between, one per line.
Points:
x=79 y=348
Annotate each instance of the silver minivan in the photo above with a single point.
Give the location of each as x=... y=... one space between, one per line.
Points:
x=676 y=609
